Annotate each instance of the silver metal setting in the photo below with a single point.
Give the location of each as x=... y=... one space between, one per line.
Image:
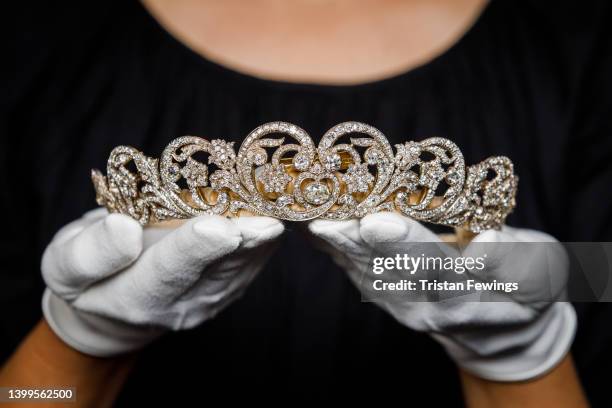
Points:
x=298 y=181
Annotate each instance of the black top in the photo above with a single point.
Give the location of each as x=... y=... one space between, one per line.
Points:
x=530 y=80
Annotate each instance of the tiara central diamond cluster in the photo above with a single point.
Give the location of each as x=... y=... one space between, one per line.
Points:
x=279 y=172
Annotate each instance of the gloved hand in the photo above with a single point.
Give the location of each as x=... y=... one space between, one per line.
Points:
x=114 y=286
x=519 y=338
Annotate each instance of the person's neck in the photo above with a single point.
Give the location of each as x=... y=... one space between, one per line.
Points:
x=319 y=41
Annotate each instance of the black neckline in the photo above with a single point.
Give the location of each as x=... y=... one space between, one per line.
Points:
x=250 y=79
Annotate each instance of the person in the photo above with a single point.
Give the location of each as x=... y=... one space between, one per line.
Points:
x=270 y=314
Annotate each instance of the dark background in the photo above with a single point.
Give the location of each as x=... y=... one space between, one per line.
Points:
x=530 y=80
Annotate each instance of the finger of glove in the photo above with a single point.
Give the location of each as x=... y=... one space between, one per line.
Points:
x=96 y=214
x=171 y=266
x=256 y=231
x=510 y=246
x=528 y=235
x=341 y=236
x=153 y=234
x=391 y=227
x=342 y=241
x=222 y=278
x=533 y=259
x=89 y=253
x=494 y=245
x=71 y=229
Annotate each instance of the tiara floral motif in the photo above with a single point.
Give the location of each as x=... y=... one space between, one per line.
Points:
x=351 y=173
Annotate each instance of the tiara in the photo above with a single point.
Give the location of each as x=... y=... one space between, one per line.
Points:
x=351 y=173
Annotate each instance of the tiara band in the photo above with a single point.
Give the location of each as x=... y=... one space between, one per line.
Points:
x=298 y=181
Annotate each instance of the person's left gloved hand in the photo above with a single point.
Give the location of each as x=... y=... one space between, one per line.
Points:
x=519 y=338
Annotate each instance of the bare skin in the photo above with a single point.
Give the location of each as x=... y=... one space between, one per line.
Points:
x=320 y=41
x=308 y=41
x=44 y=361
x=560 y=388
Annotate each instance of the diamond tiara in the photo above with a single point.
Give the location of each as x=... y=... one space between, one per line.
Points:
x=351 y=173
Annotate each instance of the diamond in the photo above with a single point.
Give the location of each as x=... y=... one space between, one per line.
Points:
x=257 y=156
x=174 y=169
x=316 y=193
x=273 y=178
x=122 y=158
x=332 y=162
x=284 y=201
x=407 y=154
x=316 y=168
x=222 y=153
x=453 y=177
x=300 y=161
x=357 y=178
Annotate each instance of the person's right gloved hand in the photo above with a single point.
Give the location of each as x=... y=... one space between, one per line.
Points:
x=113 y=286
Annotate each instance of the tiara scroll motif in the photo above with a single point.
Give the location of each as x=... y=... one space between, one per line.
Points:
x=336 y=180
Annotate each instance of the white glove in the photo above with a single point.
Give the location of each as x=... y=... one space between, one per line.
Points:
x=113 y=286
x=516 y=339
